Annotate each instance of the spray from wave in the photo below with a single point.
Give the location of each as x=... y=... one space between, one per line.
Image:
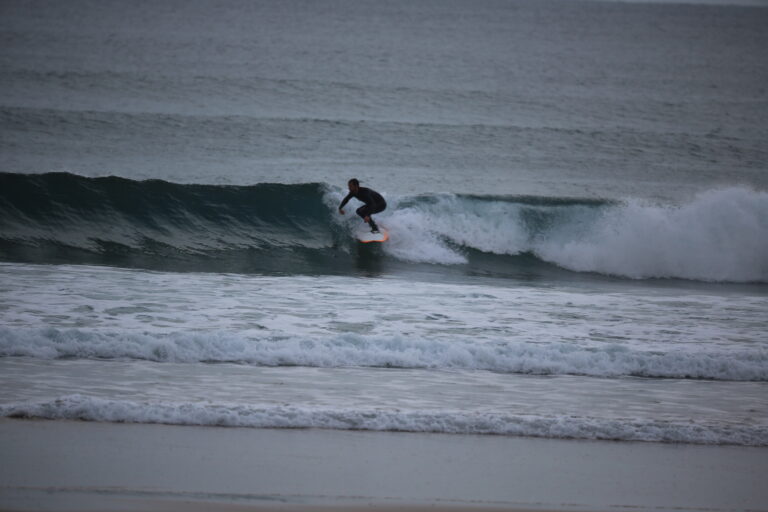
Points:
x=721 y=235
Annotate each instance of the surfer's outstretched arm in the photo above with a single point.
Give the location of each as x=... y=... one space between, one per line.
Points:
x=345 y=201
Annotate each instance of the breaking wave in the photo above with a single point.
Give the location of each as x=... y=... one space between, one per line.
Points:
x=719 y=236
x=557 y=358
x=79 y=407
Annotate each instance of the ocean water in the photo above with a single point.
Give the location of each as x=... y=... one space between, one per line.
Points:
x=578 y=216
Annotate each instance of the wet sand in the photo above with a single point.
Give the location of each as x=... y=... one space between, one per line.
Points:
x=69 y=465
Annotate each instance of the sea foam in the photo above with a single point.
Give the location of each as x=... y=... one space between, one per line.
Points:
x=80 y=407
x=719 y=236
x=346 y=350
x=722 y=235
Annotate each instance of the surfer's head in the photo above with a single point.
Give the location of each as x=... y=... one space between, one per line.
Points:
x=353 y=185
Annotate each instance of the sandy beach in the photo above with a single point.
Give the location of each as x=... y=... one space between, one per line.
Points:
x=68 y=465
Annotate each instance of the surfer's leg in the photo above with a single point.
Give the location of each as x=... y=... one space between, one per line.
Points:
x=372 y=223
x=365 y=211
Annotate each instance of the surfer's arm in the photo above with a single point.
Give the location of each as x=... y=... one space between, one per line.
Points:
x=345 y=201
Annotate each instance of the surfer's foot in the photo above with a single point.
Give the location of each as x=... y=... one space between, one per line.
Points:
x=374 y=228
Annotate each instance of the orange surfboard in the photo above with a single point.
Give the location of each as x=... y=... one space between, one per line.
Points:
x=367 y=237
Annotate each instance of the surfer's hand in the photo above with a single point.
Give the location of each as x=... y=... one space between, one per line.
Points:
x=367 y=218
x=341 y=211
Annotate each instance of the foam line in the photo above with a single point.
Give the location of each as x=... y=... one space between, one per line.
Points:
x=79 y=407
x=347 y=350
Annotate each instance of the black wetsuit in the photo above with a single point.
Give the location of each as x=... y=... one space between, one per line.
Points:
x=374 y=203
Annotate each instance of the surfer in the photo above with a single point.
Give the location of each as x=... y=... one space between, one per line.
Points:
x=374 y=203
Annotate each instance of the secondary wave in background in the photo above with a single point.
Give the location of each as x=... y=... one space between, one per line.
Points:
x=721 y=235
x=352 y=350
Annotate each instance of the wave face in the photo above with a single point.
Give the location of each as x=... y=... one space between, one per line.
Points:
x=719 y=236
x=348 y=350
x=64 y=218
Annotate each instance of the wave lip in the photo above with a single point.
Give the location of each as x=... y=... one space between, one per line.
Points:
x=348 y=350
x=79 y=407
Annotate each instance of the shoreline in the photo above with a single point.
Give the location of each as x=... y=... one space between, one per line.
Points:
x=64 y=465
